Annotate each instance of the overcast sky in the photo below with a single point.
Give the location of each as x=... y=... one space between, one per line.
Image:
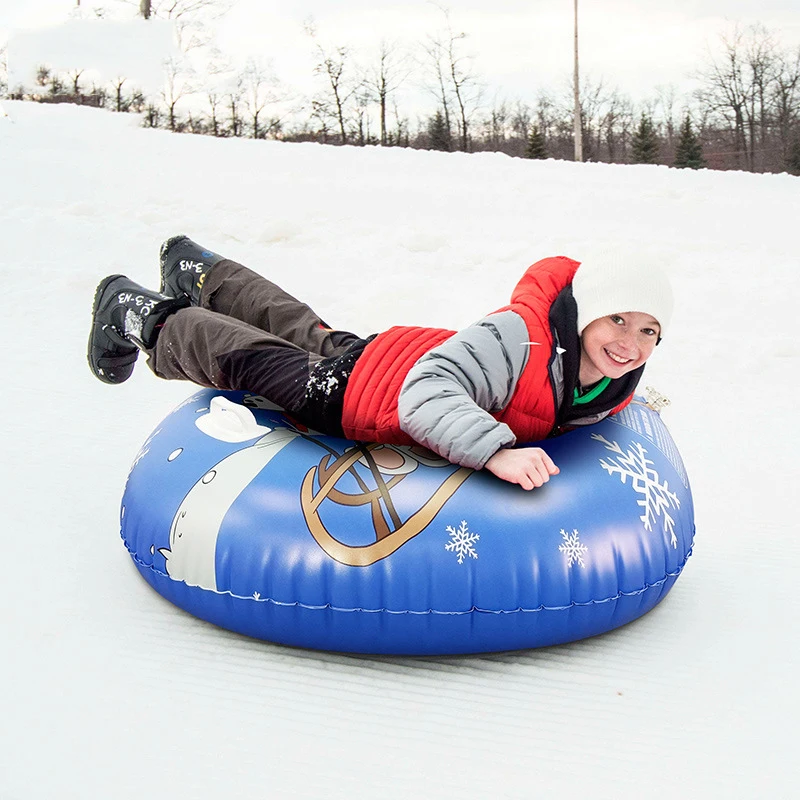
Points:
x=519 y=45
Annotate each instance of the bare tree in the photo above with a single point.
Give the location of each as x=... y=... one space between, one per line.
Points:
x=786 y=100
x=119 y=102
x=178 y=83
x=457 y=70
x=615 y=126
x=736 y=87
x=666 y=105
x=321 y=116
x=723 y=91
x=75 y=77
x=593 y=103
x=335 y=65
x=219 y=74
x=402 y=128
x=259 y=87
x=545 y=112
x=385 y=79
x=214 y=99
x=234 y=101
x=521 y=120
x=496 y=125
x=434 y=56
x=761 y=63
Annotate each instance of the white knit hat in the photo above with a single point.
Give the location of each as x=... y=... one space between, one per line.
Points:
x=613 y=283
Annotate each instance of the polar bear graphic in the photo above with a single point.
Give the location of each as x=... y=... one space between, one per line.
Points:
x=191 y=555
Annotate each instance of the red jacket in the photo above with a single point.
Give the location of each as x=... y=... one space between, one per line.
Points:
x=370 y=401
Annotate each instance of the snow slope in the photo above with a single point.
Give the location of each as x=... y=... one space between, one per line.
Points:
x=107 y=690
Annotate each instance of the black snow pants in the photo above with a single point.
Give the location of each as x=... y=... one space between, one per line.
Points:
x=248 y=334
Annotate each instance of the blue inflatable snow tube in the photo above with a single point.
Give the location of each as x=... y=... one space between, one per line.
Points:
x=244 y=519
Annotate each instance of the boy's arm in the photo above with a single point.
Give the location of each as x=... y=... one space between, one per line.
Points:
x=447 y=395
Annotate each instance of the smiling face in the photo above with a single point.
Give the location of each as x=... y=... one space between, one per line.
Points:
x=615 y=345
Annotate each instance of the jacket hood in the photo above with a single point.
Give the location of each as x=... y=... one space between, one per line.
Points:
x=542 y=282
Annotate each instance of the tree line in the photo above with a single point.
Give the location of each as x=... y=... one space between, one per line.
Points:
x=745 y=113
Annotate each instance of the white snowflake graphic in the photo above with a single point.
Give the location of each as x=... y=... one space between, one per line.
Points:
x=658 y=498
x=462 y=541
x=572 y=548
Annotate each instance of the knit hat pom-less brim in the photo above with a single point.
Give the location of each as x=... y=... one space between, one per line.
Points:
x=611 y=283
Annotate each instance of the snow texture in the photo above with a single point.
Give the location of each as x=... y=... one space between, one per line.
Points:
x=133 y=324
x=109 y=691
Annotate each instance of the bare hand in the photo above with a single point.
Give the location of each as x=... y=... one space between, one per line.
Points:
x=528 y=466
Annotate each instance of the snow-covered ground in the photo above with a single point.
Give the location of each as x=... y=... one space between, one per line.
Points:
x=106 y=690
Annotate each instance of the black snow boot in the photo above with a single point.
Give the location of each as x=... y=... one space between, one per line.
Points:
x=184 y=267
x=126 y=318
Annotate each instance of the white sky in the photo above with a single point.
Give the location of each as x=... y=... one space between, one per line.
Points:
x=519 y=45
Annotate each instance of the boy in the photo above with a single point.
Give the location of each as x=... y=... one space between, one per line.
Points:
x=568 y=350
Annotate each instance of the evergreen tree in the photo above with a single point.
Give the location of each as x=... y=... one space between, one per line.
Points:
x=645 y=142
x=438 y=132
x=536 y=147
x=689 y=153
x=793 y=159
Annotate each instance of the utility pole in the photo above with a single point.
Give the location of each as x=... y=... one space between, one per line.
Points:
x=578 y=128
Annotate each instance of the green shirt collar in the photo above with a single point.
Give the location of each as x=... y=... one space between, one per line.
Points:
x=580 y=399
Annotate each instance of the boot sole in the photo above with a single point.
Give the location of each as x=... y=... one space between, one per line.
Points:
x=98 y=337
